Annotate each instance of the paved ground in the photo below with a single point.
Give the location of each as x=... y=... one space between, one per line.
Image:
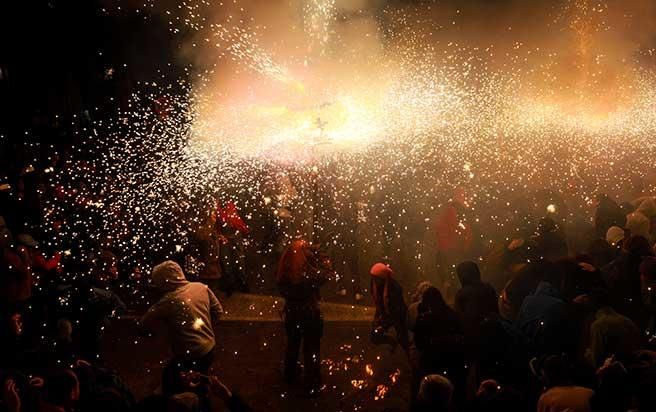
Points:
x=358 y=376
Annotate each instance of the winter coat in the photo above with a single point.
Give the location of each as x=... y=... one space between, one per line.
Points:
x=543 y=320
x=473 y=303
x=187 y=311
x=395 y=309
x=623 y=279
x=439 y=338
x=608 y=214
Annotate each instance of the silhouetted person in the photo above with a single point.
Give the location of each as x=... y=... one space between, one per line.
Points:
x=391 y=310
x=301 y=272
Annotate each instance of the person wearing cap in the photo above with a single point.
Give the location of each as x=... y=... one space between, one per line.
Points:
x=187 y=312
x=391 y=310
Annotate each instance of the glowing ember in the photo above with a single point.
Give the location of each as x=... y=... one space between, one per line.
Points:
x=381 y=392
x=198 y=323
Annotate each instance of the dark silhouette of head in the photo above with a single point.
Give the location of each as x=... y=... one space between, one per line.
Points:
x=637 y=246
x=468 y=273
x=432 y=299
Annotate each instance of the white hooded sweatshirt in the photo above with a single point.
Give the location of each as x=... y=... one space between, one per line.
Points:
x=187 y=311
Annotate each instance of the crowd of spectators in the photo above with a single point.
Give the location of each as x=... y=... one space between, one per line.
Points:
x=564 y=332
x=58 y=292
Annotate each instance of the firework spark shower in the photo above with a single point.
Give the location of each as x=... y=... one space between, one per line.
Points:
x=441 y=204
x=375 y=94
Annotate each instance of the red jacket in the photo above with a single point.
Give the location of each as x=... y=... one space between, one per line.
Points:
x=229 y=216
x=452 y=233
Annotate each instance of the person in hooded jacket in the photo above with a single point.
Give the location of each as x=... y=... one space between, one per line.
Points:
x=188 y=312
x=391 y=310
x=302 y=271
x=637 y=224
x=548 y=242
x=543 y=319
x=523 y=284
x=608 y=214
x=475 y=300
x=439 y=339
x=623 y=279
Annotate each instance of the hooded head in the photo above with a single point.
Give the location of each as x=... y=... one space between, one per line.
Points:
x=468 y=273
x=168 y=276
x=435 y=392
x=381 y=270
x=637 y=246
x=546 y=225
x=614 y=235
x=433 y=300
x=638 y=224
x=648 y=208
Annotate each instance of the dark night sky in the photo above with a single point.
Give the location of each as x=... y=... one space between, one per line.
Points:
x=55 y=54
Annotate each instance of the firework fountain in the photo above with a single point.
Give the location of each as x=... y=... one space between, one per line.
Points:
x=363 y=119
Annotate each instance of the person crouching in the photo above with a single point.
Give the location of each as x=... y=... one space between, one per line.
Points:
x=187 y=311
x=391 y=310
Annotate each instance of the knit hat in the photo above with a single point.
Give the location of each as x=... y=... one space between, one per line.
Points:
x=638 y=224
x=614 y=235
x=168 y=276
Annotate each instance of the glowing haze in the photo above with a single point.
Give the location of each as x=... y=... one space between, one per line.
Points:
x=393 y=103
x=285 y=77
